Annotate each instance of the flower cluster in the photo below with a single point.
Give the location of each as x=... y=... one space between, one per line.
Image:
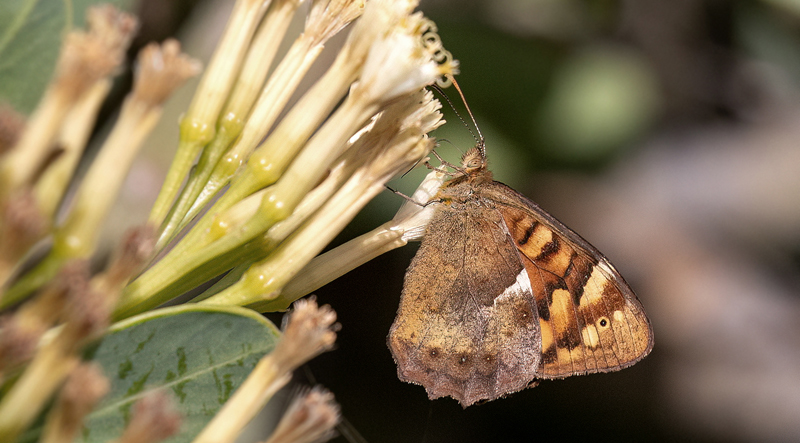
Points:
x=257 y=188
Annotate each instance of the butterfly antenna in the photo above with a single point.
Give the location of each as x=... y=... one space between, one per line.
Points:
x=441 y=141
x=480 y=140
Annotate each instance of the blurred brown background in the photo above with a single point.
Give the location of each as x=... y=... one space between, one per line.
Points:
x=665 y=133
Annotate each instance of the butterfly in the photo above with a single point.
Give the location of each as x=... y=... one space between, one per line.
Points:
x=501 y=295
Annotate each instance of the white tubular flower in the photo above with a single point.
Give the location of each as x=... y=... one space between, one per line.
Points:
x=401 y=63
x=407 y=225
x=414 y=216
x=328 y=17
x=379 y=15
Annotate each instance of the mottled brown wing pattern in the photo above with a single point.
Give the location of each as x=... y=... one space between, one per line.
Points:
x=464 y=328
x=590 y=320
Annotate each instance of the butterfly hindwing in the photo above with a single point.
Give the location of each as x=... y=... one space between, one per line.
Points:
x=466 y=325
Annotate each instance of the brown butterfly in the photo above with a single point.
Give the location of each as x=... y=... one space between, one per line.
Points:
x=501 y=294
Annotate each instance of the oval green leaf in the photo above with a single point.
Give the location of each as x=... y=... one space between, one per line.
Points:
x=201 y=354
x=30 y=39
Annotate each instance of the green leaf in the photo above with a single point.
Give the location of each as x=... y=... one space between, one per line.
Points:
x=30 y=38
x=201 y=354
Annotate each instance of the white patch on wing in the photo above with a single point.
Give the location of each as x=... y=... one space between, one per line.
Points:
x=520 y=289
x=521 y=286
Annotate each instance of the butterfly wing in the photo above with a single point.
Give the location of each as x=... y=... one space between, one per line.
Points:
x=590 y=319
x=466 y=325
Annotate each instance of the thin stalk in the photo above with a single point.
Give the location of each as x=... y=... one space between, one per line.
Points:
x=233 y=116
x=197 y=127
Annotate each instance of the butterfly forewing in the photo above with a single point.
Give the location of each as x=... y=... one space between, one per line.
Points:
x=590 y=320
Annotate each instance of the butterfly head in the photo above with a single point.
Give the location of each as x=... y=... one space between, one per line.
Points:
x=474 y=165
x=474 y=160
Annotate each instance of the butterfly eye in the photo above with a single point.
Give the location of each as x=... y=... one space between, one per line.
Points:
x=603 y=322
x=433 y=353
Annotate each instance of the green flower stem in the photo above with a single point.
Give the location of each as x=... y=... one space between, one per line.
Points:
x=271 y=158
x=263 y=282
x=193 y=139
x=197 y=127
x=321 y=270
x=161 y=286
x=249 y=253
x=159 y=283
x=233 y=116
x=324 y=21
x=204 y=243
x=182 y=267
x=309 y=167
x=185 y=267
x=276 y=94
x=229 y=279
x=283 y=229
x=226 y=132
x=268 y=163
x=198 y=236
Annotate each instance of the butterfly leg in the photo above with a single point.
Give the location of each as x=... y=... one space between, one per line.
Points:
x=412 y=200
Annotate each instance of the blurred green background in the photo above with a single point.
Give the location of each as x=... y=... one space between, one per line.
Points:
x=668 y=135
